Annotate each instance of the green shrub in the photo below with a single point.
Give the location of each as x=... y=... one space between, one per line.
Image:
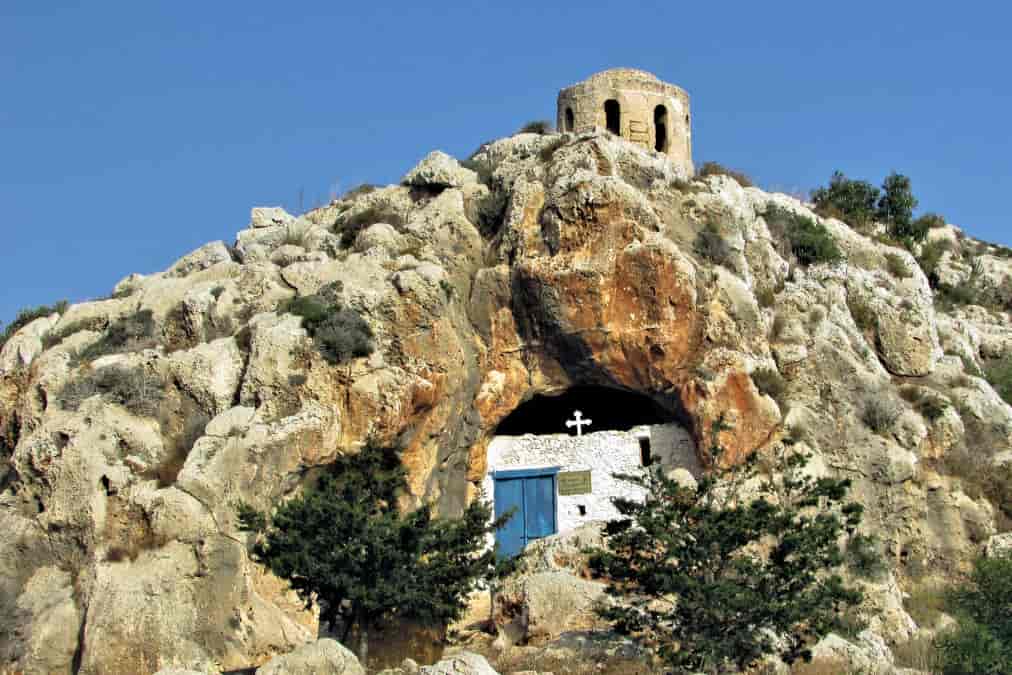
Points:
x=345 y=545
x=809 y=242
x=981 y=642
x=134 y=388
x=925 y=604
x=766 y=297
x=715 y=169
x=865 y=556
x=862 y=312
x=125 y=334
x=931 y=256
x=711 y=246
x=879 y=412
x=26 y=316
x=541 y=127
x=897 y=266
x=770 y=383
x=358 y=191
x=852 y=201
x=348 y=226
x=930 y=221
x=998 y=373
x=340 y=333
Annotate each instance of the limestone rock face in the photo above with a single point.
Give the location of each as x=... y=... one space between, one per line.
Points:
x=130 y=426
x=439 y=170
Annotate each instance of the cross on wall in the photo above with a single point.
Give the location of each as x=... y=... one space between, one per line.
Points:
x=578 y=422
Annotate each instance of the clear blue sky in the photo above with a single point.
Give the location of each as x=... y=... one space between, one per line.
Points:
x=133 y=132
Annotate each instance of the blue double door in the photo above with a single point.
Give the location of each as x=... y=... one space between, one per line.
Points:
x=530 y=493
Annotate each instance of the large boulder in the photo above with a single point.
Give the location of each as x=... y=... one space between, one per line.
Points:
x=323 y=657
x=439 y=170
x=460 y=663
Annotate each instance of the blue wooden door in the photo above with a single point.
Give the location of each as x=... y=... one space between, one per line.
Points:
x=509 y=494
x=531 y=496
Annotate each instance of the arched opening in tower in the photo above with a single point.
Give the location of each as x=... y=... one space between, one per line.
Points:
x=661 y=128
x=613 y=116
x=608 y=409
x=570 y=120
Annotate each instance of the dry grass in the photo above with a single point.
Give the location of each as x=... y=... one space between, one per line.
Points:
x=925 y=604
x=715 y=169
x=919 y=654
x=822 y=667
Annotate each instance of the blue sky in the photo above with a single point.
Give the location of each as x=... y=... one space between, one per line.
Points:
x=133 y=132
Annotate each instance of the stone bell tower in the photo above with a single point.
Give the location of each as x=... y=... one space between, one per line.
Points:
x=635 y=105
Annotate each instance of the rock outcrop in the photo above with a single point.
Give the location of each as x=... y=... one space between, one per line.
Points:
x=131 y=425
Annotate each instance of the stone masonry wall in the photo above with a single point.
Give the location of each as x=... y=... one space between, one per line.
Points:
x=604 y=453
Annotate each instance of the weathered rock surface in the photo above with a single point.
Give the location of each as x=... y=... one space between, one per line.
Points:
x=460 y=663
x=323 y=657
x=547 y=262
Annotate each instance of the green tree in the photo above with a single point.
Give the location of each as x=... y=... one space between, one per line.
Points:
x=981 y=642
x=853 y=201
x=896 y=208
x=693 y=583
x=346 y=545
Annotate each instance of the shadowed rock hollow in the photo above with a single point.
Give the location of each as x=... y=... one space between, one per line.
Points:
x=132 y=424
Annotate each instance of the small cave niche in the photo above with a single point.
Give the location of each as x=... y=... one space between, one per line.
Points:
x=613 y=116
x=608 y=409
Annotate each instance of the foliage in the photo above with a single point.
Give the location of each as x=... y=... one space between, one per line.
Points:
x=26 y=316
x=345 y=545
x=339 y=332
x=981 y=642
x=862 y=311
x=879 y=412
x=125 y=334
x=930 y=405
x=865 y=557
x=808 y=241
x=687 y=564
x=998 y=373
x=711 y=246
x=715 y=169
x=348 y=225
x=540 y=127
x=859 y=203
x=852 y=201
x=769 y=382
x=931 y=256
x=897 y=266
x=896 y=207
x=931 y=221
x=134 y=388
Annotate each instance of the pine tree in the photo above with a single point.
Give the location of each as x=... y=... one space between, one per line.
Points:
x=711 y=576
x=346 y=545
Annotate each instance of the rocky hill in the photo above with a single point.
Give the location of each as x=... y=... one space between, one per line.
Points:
x=132 y=425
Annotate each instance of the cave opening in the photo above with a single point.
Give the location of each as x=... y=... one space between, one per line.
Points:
x=609 y=410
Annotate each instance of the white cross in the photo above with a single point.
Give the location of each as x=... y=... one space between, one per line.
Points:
x=579 y=423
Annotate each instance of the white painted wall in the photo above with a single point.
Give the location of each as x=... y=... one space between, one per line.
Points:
x=604 y=453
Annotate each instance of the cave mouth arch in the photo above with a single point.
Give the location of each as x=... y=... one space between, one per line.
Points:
x=609 y=408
